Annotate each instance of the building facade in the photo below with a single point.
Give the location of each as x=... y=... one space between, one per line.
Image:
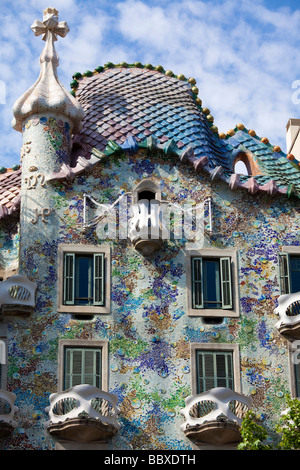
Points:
x=149 y=290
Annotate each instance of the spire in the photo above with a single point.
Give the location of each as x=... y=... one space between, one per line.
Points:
x=48 y=94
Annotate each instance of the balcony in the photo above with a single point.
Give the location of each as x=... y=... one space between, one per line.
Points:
x=83 y=414
x=17 y=295
x=288 y=311
x=7 y=412
x=146 y=227
x=214 y=417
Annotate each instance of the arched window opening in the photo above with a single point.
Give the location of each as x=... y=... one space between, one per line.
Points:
x=146 y=195
x=146 y=189
x=243 y=165
x=240 y=168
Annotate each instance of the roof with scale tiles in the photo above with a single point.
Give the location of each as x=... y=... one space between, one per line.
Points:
x=131 y=106
x=10 y=185
x=127 y=107
x=139 y=102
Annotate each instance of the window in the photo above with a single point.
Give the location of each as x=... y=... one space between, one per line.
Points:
x=241 y=168
x=214 y=369
x=289 y=272
x=82 y=362
x=215 y=365
x=82 y=366
x=146 y=189
x=148 y=195
x=211 y=283
x=83 y=279
x=289 y=266
x=211 y=287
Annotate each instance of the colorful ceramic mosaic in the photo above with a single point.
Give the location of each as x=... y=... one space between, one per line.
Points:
x=153 y=130
x=148 y=330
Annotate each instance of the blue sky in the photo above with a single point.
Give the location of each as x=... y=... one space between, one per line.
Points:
x=245 y=55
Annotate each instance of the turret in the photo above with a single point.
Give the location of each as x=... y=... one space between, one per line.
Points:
x=48 y=116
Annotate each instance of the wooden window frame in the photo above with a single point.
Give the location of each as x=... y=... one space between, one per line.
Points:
x=287 y=252
x=64 y=249
x=227 y=378
x=234 y=348
x=82 y=344
x=233 y=310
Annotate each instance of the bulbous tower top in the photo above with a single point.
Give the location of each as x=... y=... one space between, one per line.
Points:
x=47 y=94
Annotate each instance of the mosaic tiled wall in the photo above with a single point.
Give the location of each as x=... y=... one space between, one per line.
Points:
x=148 y=330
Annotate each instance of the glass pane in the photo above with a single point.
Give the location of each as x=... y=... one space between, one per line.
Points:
x=84 y=283
x=221 y=367
x=212 y=293
x=295 y=273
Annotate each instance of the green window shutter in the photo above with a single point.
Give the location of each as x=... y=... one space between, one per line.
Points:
x=69 y=278
x=99 y=279
x=197 y=282
x=226 y=285
x=284 y=270
x=83 y=366
x=214 y=369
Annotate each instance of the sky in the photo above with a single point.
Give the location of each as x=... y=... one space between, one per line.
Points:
x=244 y=54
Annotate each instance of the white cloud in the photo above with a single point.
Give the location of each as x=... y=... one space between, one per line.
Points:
x=239 y=53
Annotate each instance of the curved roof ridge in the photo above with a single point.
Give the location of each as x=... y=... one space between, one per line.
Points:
x=195 y=91
x=252 y=133
x=158 y=68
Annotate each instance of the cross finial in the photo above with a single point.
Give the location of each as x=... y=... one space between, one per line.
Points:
x=47 y=94
x=50 y=24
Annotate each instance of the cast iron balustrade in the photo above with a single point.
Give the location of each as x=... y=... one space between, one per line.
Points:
x=7 y=412
x=214 y=417
x=288 y=311
x=83 y=413
x=146 y=227
x=17 y=295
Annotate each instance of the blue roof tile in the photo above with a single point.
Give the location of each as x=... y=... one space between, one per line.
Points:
x=120 y=105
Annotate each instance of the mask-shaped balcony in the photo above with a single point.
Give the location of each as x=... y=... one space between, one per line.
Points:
x=7 y=412
x=84 y=414
x=17 y=295
x=146 y=228
x=214 y=417
x=288 y=311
